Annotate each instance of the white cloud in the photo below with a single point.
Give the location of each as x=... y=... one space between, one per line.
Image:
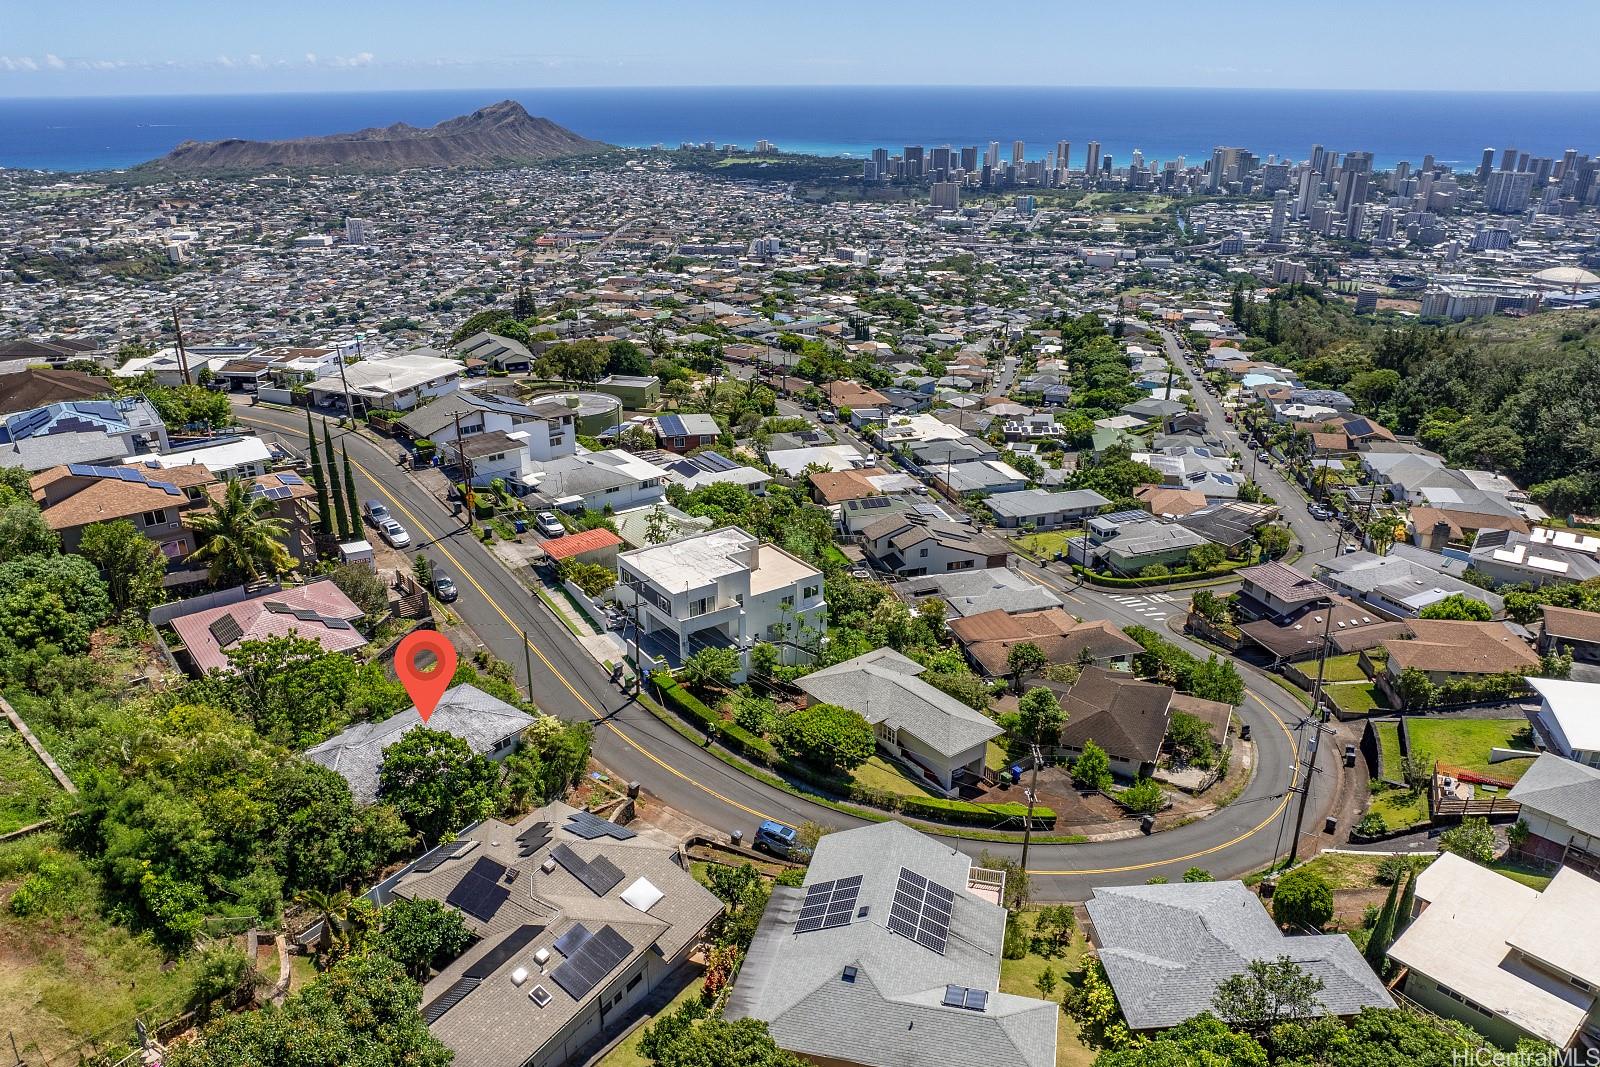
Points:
x=54 y=62
x=311 y=57
x=224 y=62
x=255 y=61
x=360 y=59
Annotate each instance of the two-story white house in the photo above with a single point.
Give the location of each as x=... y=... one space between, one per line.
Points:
x=397 y=382
x=722 y=587
x=547 y=425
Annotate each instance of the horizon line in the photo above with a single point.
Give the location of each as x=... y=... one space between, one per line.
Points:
x=802 y=85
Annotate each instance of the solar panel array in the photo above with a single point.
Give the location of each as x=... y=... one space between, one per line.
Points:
x=957 y=996
x=432 y=859
x=124 y=474
x=828 y=904
x=479 y=893
x=277 y=607
x=509 y=946
x=600 y=875
x=533 y=838
x=570 y=942
x=590 y=826
x=291 y=479
x=225 y=630
x=449 y=999
x=921 y=910
x=272 y=492
x=588 y=966
x=716 y=462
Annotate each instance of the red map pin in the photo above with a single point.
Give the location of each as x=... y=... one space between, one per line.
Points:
x=425 y=686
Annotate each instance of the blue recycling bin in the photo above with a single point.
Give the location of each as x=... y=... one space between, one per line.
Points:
x=1016 y=773
x=519 y=525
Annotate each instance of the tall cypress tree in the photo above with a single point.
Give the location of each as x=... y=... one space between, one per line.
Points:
x=1408 y=900
x=324 y=515
x=1382 y=932
x=339 y=512
x=350 y=494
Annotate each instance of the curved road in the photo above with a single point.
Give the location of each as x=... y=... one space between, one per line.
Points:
x=566 y=681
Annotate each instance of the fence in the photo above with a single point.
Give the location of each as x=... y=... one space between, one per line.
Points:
x=1445 y=805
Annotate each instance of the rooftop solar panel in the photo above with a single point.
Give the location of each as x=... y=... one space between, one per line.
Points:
x=449 y=999
x=570 y=942
x=225 y=630
x=433 y=858
x=590 y=826
x=921 y=911
x=291 y=479
x=509 y=946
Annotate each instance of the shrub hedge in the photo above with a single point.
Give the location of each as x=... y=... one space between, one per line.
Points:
x=759 y=750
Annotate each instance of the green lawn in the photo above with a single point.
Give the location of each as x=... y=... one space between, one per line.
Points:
x=1047 y=544
x=1347 y=871
x=1019 y=977
x=879 y=773
x=1400 y=808
x=1355 y=698
x=1346 y=668
x=1389 y=745
x=26 y=788
x=1465 y=743
x=994 y=756
x=627 y=1053
x=1534 y=878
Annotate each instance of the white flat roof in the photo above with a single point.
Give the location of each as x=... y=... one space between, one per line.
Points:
x=214 y=458
x=776 y=569
x=1575 y=706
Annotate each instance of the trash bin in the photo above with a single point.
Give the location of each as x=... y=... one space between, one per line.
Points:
x=520 y=525
x=1016 y=773
x=1148 y=824
x=738 y=839
x=1331 y=825
x=1244 y=732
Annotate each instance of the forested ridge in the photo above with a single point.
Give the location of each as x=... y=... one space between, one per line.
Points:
x=1519 y=396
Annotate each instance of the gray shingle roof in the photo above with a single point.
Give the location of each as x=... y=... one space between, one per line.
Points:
x=883 y=687
x=891 y=1014
x=466 y=711
x=1166 y=948
x=976 y=591
x=1563 y=789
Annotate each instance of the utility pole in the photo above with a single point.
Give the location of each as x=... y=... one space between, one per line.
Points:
x=466 y=465
x=349 y=407
x=1033 y=796
x=1318 y=718
x=183 y=353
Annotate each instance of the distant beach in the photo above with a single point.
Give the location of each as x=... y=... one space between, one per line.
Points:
x=90 y=133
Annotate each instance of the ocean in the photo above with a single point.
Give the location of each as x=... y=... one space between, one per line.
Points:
x=93 y=133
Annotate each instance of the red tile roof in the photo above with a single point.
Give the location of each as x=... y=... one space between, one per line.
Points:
x=575 y=544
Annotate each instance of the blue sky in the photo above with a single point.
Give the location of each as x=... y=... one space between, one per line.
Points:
x=115 y=47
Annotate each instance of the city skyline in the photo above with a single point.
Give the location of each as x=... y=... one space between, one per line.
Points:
x=187 y=47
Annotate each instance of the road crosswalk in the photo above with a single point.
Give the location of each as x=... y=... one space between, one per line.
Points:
x=1154 y=606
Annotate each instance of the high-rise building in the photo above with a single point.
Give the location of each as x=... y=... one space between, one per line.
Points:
x=992 y=158
x=913 y=162
x=1214 y=173
x=1091 y=161
x=1274 y=176
x=1508 y=159
x=1318 y=153
x=1310 y=182
x=1508 y=191
x=355 y=231
x=1019 y=152
x=1352 y=190
x=1063 y=156
x=1355 y=221
x=1486 y=167
x=1280 y=212
x=945 y=195
x=880 y=159
x=1386 y=225
x=939 y=164
x=969 y=158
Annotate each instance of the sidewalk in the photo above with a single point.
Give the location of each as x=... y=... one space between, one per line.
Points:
x=605 y=647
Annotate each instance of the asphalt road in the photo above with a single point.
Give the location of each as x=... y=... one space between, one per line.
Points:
x=631 y=742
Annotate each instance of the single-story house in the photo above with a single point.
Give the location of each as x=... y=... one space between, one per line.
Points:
x=1043 y=510
x=989 y=636
x=1560 y=804
x=939 y=737
x=1126 y=717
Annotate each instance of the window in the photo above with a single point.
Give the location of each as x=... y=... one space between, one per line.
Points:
x=959 y=565
x=810 y=591
x=635 y=980
x=922 y=552
x=849 y=975
x=787 y=602
x=155 y=518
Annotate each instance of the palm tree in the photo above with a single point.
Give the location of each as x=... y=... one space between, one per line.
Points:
x=239 y=540
x=330 y=909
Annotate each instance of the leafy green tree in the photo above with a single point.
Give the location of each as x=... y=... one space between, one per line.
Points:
x=1408 y=902
x=1144 y=797
x=827 y=736
x=365 y=589
x=546 y=766
x=184 y=407
x=1303 y=898
x=1039 y=717
x=1381 y=532
x=1376 y=1037
x=23 y=530
x=1203 y=1041
x=51 y=600
x=1458 y=606
x=688 y=1038
x=1416 y=689
x=1274 y=540
x=240 y=540
x=1472 y=839
x=1198 y=874
x=437 y=783
x=290 y=689
x=710 y=668
x=1092 y=1004
x=1189 y=740
x=132 y=564
x=1024 y=658
x=1267 y=993
x=421 y=934
x=1092 y=768
x=1207 y=557
x=363 y=1011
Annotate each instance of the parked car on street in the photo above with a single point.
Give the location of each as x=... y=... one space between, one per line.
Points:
x=374 y=513
x=779 y=840
x=444 y=587
x=394 y=533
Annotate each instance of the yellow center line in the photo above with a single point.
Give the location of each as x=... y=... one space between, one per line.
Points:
x=438 y=544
